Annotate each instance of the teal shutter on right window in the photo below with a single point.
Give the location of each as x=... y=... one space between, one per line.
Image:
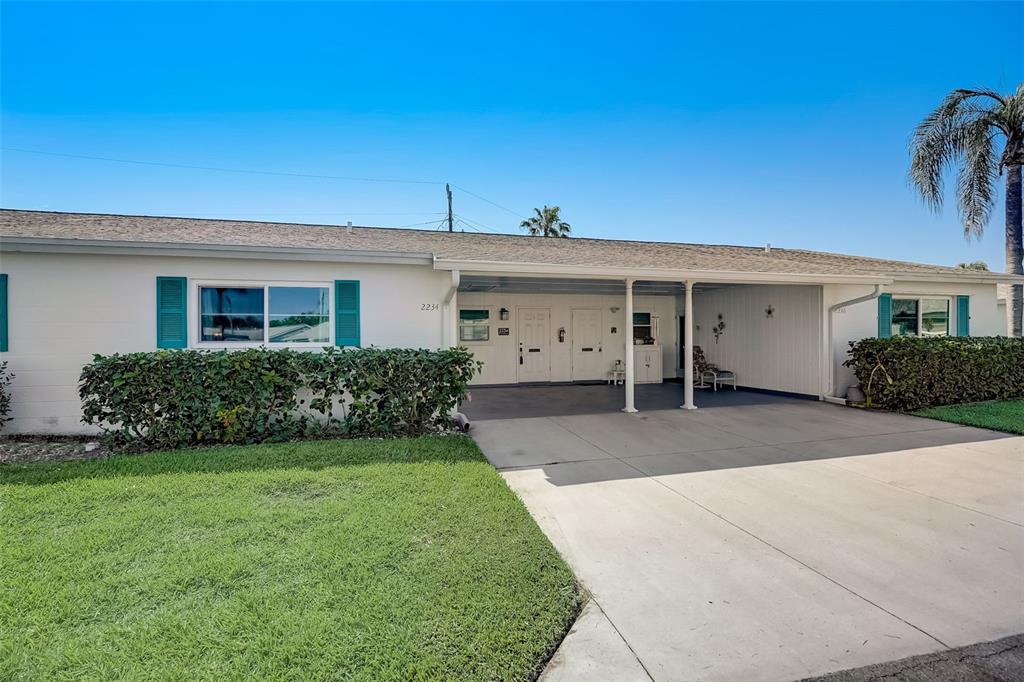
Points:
x=885 y=316
x=171 y=312
x=3 y=313
x=346 y=312
x=963 y=315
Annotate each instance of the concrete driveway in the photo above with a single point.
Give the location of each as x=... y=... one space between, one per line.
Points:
x=771 y=541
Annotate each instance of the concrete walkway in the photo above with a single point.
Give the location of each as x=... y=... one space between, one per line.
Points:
x=771 y=541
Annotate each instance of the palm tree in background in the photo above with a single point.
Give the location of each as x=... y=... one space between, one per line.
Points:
x=965 y=130
x=546 y=223
x=976 y=265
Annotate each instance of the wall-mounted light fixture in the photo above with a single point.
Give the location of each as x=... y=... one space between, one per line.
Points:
x=614 y=309
x=504 y=313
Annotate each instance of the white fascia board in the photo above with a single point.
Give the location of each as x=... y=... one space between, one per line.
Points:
x=101 y=247
x=972 y=278
x=651 y=274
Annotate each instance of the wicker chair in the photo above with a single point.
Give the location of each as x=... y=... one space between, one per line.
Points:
x=704 y=370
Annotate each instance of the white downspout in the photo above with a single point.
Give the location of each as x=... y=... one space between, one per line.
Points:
x=830 y=388
x=630 y=375
x=450 y=335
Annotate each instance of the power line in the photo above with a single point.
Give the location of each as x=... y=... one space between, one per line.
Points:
x=503 y=208
x=220 y=169
x=247 y=171
x=475 y=224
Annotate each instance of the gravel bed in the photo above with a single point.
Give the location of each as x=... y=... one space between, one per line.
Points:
x=15 y=449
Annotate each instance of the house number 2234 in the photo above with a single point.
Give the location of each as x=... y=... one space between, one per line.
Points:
x=429 y=306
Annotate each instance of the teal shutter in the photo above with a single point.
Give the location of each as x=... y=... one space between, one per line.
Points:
x=346 y=312
x=3 y=313
x=171 y=312
x=885 y=316
x=963 y=315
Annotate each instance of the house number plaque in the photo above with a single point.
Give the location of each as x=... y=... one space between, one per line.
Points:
x=502 y=331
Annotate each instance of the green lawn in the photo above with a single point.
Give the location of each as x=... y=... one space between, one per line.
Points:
x=1006 y=415
x=354 y=560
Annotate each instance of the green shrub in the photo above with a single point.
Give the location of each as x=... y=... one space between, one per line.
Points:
x=5 y=394
x=908 y=373
x=177 y=398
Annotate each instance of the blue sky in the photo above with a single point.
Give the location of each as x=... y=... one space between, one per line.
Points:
x=724 y=123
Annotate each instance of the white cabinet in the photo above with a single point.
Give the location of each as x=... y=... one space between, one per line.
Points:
x=647 y=364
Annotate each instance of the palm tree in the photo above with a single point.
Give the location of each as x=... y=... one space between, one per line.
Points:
x=976 y=265
x=546 y=223
x=965 y=129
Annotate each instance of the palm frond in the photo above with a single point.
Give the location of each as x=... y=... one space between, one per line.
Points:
x=976 y=181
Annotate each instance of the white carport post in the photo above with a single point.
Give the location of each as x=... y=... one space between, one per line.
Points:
x=630 y=374
x=688 y=354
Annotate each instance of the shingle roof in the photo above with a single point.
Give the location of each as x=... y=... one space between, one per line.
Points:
x=142 y=230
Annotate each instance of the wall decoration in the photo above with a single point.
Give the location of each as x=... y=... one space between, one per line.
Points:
x=769 y=312
x=719 y=328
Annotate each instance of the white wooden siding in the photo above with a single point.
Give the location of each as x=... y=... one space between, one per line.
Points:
x=779 y=353
x=500 y=353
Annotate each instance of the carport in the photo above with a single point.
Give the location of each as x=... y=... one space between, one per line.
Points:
x=770 y=329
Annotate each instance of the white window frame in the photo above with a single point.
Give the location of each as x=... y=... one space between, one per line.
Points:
x=654 y=328
x=196 y=313
x=490 y=325
x=950 y=311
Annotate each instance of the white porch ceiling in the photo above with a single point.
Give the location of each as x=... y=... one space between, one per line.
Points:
x=559 y=285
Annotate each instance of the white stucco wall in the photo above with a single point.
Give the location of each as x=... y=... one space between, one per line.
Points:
x=63 y=308
x=861 y=320
x=500 y=353
x=778 y=353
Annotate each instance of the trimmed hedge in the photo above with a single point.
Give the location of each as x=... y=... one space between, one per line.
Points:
x=909 y=373
x=5 y=393
x=178 y=398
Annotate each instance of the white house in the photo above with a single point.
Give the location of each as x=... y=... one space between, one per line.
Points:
x=532 y=309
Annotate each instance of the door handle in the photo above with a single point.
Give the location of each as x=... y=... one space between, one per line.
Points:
x=587 y=350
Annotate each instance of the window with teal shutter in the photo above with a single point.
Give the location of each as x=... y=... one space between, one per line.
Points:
x=346 y=312
x=3 y=313
x=885 y=316
x=171 y=312
x=963 y=315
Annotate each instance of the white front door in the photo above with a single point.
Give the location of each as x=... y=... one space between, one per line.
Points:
x=534 y=341
x=587 y=356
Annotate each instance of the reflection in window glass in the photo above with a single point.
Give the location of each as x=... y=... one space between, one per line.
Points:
x=904 y=317
x=231 y=314
x=299 y=315
x=474 y=325
x=934 y=317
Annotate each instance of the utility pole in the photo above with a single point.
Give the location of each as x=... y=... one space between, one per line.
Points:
x=448 y=189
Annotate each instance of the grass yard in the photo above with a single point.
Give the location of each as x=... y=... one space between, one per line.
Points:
x=353 y=560
x=1005 y=415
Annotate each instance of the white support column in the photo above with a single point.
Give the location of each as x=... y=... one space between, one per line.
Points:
x=630 y=373
x=688 y=352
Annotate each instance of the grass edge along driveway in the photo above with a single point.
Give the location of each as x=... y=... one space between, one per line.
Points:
x=998 y=415
x=401 y=559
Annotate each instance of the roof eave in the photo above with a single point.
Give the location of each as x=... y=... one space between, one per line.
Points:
x=110 y=247
x=471 y=267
